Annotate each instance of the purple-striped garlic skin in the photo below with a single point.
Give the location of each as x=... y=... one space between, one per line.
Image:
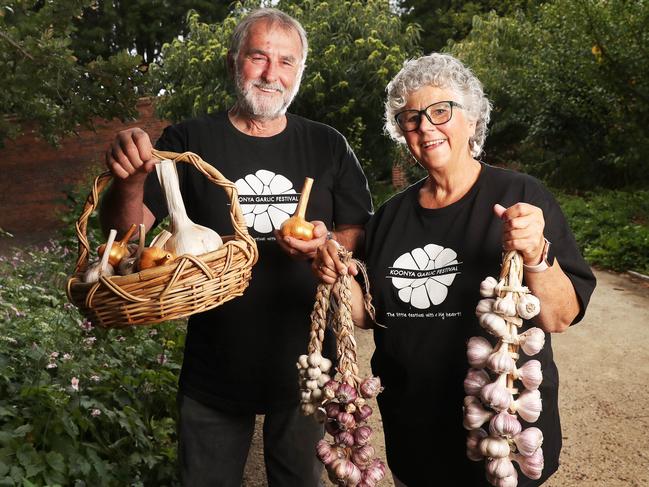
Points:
x=473 y=440
x=345 y=420
x=528 y=306
x=344 y=438
x=528 y=441
x=530 y=374
x=370 y=387
x=496 y=395
x=345 y=470
x=494 y=324
x=475 y=380
x=346 y=393
x=532 y=341
x=325 y=452
x=505 y=424
x=374 y=473
x=500 y=467
x=362 y=456
x=362 y=435
x=528 y=405
x=477 y=352
x=531 y=466
x=492 y=447
x=475 y=415
x=362 y=413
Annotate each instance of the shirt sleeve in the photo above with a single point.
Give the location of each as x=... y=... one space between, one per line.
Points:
x=352 y=199
x=558 y=232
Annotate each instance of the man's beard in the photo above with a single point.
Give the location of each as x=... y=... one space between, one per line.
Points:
x=260 y=106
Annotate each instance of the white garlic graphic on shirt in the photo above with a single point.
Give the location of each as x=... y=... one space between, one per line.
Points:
x=267 y=199
x=423 y=276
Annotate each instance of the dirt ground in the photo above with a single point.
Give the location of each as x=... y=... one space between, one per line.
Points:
x=604 y=392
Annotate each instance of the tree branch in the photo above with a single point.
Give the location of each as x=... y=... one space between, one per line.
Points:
x=7 y=38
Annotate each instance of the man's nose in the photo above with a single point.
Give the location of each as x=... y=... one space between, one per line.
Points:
x=270 y=72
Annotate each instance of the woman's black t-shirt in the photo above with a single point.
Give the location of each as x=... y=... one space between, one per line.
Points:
x=425 y=268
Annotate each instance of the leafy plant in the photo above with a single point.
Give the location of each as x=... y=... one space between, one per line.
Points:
x=611 y=228
x=80 y=405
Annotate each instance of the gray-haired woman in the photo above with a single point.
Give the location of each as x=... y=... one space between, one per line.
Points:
x=427 y=250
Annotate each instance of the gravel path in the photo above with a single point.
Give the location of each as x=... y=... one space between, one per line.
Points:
x=604 y=398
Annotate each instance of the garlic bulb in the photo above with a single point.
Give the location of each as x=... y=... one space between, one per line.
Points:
x=477 y=351
x=475 y=415
x=532 y=341
x=101 y=268
x=501 y=361
x=119 y=249
x=128 y=264
x=528 y=306
x=187 y=237
x=530 y=374
x=370 y=387
x=487 y=287
x=475 y=380
x=473 y=440
x=505 y=306
x=528 y=441
x=511 y=481
x=504 y=424
x=492 y=447
x=501 y=467
x=528 y=405
x=494 y=324
x=484 y=306
x=496 y=395
x=297 y=226
x=531 y=466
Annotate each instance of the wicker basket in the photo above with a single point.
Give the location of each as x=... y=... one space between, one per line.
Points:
x=190 y=284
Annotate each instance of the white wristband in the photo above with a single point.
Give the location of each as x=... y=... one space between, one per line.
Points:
x=543 y=265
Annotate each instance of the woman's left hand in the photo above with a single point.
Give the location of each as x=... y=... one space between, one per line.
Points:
x=523 y=226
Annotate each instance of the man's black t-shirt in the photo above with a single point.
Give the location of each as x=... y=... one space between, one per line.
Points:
x=241 y=356
x=425 y=268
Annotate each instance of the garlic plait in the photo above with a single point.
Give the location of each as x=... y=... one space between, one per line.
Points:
x=313 y=371
x=505 y=304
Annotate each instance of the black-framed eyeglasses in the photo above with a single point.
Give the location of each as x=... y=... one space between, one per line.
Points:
x=437 y=113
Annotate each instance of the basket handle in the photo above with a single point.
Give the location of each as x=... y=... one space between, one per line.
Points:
x=215 y=176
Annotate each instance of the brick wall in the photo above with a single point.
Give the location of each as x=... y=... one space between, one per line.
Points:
x=35 y=175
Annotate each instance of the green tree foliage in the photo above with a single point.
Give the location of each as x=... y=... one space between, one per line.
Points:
x=354 y=50
x=43 y=81
x=570 y=89
x=444 y=20
x=143 y=26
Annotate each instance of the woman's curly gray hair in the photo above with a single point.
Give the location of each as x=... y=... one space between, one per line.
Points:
x=442 y=71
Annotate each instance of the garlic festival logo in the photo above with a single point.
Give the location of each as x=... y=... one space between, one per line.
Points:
x=266 y=199
x=423 y=276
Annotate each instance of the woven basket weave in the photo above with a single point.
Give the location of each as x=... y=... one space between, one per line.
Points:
x=190 y=284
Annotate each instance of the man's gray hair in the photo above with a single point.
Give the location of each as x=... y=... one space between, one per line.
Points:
x=273 y=17
x=441 y=71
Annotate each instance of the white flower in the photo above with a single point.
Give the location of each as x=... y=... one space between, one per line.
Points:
x=86 y=325
x=67 y=356
x=74 y=383
x=90 y=340
x=94 y=378
x=95 y=412
x=51 y=365
x=54 y=355
x=267 y=199
x=162 y=359
x=423 y=276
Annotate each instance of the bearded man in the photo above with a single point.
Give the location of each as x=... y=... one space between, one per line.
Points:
x=240 y=357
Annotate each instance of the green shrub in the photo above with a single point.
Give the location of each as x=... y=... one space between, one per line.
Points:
x=611 y=228
x=80 y=405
